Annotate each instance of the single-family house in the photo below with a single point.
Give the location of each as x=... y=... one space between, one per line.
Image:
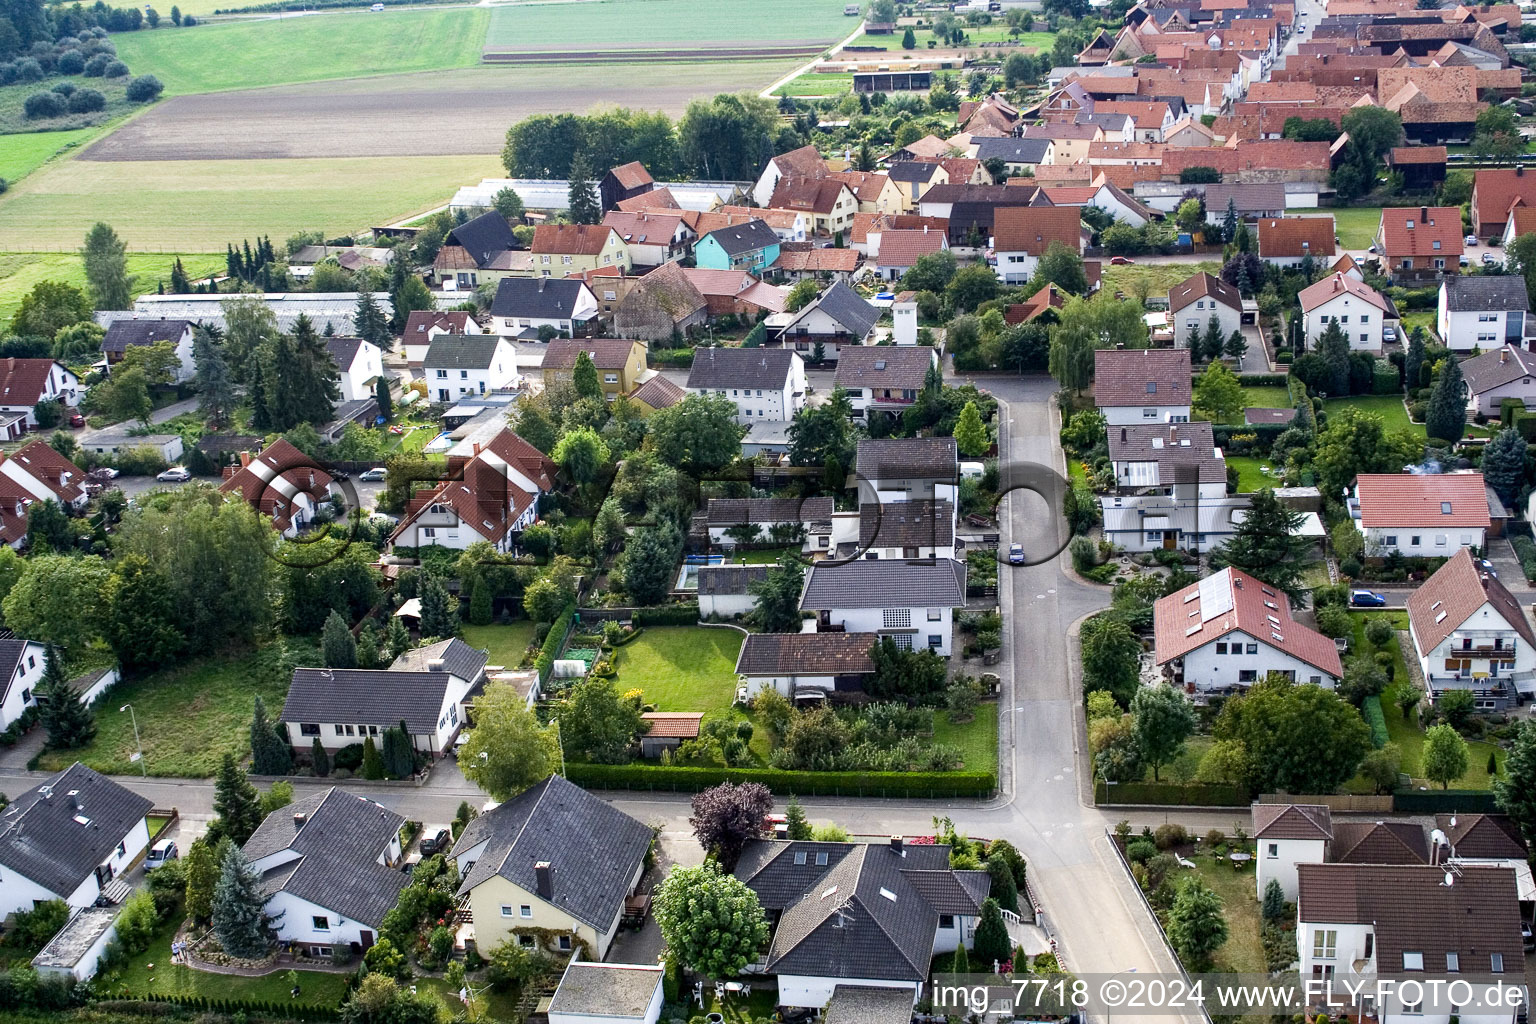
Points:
x=491 y=495
x=1287 y=835
x=36 y=470
x=657 y=393
x=1471 y=634
x=764 y=383
x=1506 y=372
x=827 y=203
x=1229 y=631
x=1419 y=243
x=653 y=237
x=1017 y=155
x=662 y=304
x=1176 y=459
x=752 y=246
x=733 y=521
x=328 y=866
x=620 y=362
x=912 y=602
x=610 y=993
x=423 y=325
x=801 y=260
x=906 y=469
x=1070 y=141
x=725 y=591
x=26 y=382
x=21 y=665
x=884 y=379
x=1495 y=192
x=900 y=249
x=837 y=319
x=68 y=838
x=1105 y=196
x=553 y=864
x=1361 y=311
x=1482 y=312
x=913 y=178
x=1021 y=234
x=1483 y=837
x=427 y=688
x=1424 y=515
x=468 y=364
x=282 y=483
x=905 y=529
x=563 y=249
x=125 y=334
x=625 y=181
x=1289 y=242
x=1194 y=301
x=876 y=192
x=1355 y=922
x=797 y=664
x=863 y=915
x=1142 y=385
x=360 y=364
x=804 y=162
x=523 y=305
x=479 y=250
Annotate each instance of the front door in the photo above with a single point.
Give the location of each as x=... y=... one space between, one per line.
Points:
x=365 y=939
x=1169 y=540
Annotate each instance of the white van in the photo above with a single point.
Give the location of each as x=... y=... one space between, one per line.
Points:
x=160 y=854
x=972 y=470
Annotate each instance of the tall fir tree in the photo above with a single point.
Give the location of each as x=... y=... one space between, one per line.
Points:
x=236 y=806
x=216 y=398
x=314 y=383
x=1333 y=347
x=439 y=618
x=397 y=640
x=369 y=321
x=68 y=722
x=239 y=908
x=1446 y=417
x=582 y=196
x=368 y=647
x=795 y=823
x=991 y=943
x=270 y=754
x=202 y=878
x=584 y=377
x=385 y=400
x=179 y=283
x=336 y=643
x=1413 y=358
x=373 y=764
x=480 y=609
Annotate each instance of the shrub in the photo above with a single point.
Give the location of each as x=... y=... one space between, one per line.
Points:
x=1170 y=835
x=349 y=758
x=1379 y=631
x=70 y=62
x=27 y=70
x=144 y=89
x=1140 y=851
x=1525 y=551
x=1374 y=718
x=44 y=104
x=87 y=101
x=115 y=69
x=1351 y=567
x=97 y=65
x=65 y=89
x=1334 y=621
x=1214 y=838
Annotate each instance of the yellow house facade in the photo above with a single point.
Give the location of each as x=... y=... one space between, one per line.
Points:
x=620 y=362
x=560 y=250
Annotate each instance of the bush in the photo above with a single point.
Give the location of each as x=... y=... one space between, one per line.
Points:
x=1525 y=551
x=1170 y=835
x=1374 y=718
x=688 y=779
x=349 y=758
x=70 y=62
x=44 y=104
x=144 y=89
x=87 y=101
x=115 y=69
x=65 y=89
x=1139 y=851
x=97 y=65
x=545 y=662
x=1334 y=621
x=668 y=615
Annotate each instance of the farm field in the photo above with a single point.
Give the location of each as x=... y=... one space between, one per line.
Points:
x=641 y=24
x=20 y=271
x=22 y=154
x=198 y=205
x=315 y=47
x=817 y=83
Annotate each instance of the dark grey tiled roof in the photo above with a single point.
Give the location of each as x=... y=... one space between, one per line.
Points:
x=1014 y=151
x=123 y=333
x=484 y=238
x=886 y=583
x=907 y=458
x=606 y=990
x=339 y=844
x=593 y=848
x=543 y=298
x=1465 y=294
x=912 y=170
x=741 y=238
x=897 y=524
x=717 y=580
x=343 y=350
x=461 y=351
x=738 y=511
x=1173 y=446
x=884 y=366
x=808 y=654
x=457 y=657
x=382 y=697
x=1496 y=368
x=844 y=305
x=741 y=368
x=42 y=839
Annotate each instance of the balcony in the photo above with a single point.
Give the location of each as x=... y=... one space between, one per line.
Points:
x=1482 y=647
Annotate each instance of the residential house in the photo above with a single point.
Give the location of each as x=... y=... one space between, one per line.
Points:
x=625 y=181
x=281 y=483
x=900 y=249
x=1287 y=835
x=884 y=379
x=1495 y=192
x=1426 y=515
x=735 y=292
x=764 y=383
x=837 y=320
x=1360 y=310
x=1288 y=242
x=1480 y=837
x=38 y=471
x=1229 y=631
x=552 y=861
x=125 y=334
x=789 y=225
x=905 y=529
x=1355 y=922
x=524 y=305
x=360 y=364
x=913 y=178
x=906 y=469
x=662 y=305
x=912 y=602
x=656 y=393
x=875 y=192
x=22 y=663
x=467 y=364
x=1021 y=234
x=859 y=915
x=1470 y=634
x=1105 y=196
x=423 y=325
x=1506 y=372
x=26 y=382
x=1069 y=142
x=68 y=838
x=733 y=521
x=1142 y=385
x=328 y=866
x=1347 y=266
x=797 y=664
x=653 y=237
x=725 y=591
x=1420 y=243
x=427 y=688
x=799 y=261
x=804 y=162
x=479 y=250
x=1017 y=155
x=1170 y=488
x=491 y=494
x=1522 y=221
x=1194 y=301
x=1422 y=167
x=620 y=362
x=563 y=249
x=828 y=204
x=1482 y=312
x=752 y=247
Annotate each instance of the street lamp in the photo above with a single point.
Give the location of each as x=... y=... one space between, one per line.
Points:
x=136 y=742
x=1108 y=1016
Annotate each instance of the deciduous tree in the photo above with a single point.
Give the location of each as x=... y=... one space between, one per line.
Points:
x=1163 y=720
x=698 y=435
x=597 y=724
x=711 y=920
x=726 y=816
x=1298 y=738
x=1111 y=655
x=507 y=751
x=106 y=268
x=1196 y=925
x=1218 y=396
x=1446 y=757
x=778 y=596
x=140 y=624
x=970 y=433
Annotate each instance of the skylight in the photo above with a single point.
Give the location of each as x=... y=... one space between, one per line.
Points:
x=830 y=890
x=799 y=856
x=887 y=894
x=1445 y=508
x=821 y=859
x=1440 y=617
x=1278 y=638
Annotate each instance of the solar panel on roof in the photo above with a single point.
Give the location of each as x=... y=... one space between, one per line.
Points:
x=1215 y=596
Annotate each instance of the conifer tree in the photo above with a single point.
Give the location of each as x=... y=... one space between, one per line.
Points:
x=239 y=908
x=69 y=722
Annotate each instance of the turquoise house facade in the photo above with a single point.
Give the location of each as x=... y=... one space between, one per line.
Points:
x=752 y=247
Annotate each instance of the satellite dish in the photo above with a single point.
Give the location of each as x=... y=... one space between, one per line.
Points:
x=1450 y=879
x=1453 y=821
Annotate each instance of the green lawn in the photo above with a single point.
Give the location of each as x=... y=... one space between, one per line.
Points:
x=157 y=823
x=994 y=33
x=1356 y=225
x=499 y=1006
x=351 y=44
x=1243 y=952
x=19 y=272
x=1390 y=408
x=1423 y=318
x=20 y=155
x=506 y=644
x=665 y=23
x=153 y=972
x=816 y=84
x=1158 y=278
x=1266 y=396
x=189 y=717
x=1249 y=479
x=977 y=739
x=681 y=668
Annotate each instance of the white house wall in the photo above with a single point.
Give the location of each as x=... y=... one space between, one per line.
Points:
x=1277 y=860
x=298 y=923
x=1196 y=315
x=806 y=991
x=1357 y=318
x=22 y=692
x=922 y=631
x=1489 y=402
x=726 y=606
x=1211 y=671
x=1137 y=415
x=1422 y=541
x=1463 y=331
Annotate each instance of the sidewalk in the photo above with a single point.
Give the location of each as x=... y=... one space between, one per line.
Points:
x=15 y=759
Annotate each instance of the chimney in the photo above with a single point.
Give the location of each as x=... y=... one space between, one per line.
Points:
x=245 y=459
x=1503 y=356
x=299 y=818
x=1423 y=214
x=74 y=800
x=436 y=665
x=47 y=793
x=896 y=845
x=543 y=881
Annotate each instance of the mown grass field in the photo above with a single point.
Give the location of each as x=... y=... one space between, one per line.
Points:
x=312 y=48
x=995 y=33
x=19 y=271
x=505 y=645
x=1249 y=477
x=199 y=205
x=22 y=154
x=1355 y=225
x=665 y=23
x=1394 y=415
x=12 y=97
x=681 y=668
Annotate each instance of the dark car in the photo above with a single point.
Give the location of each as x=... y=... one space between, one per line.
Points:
x=437 y=843
x=1367 y=598
x=1016 y=554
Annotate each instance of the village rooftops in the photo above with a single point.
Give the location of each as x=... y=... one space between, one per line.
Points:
x=903 y=368
x=885 y=583
x=718 y=368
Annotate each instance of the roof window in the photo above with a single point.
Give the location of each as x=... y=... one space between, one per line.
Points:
x=1445 y=508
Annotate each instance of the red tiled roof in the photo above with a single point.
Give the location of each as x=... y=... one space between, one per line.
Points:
x=24 y=381
x=606 y=353
x=1049 y=297
x=61 y=476
x=803 y=162
x=822 y=258
x=900 y=247
x=1232 y=600
x=632 y=175
x=570 y=239
x=866 y=185
x=1417 y=155
x=655 y=199
x=1292 y=821
x=1421 y=231
x=805 y=194
x=1031 y=229
x=1201 y=286
x=1337 y=284
x=673 y=724
x=483 y=496
x=1296 y=236
x=1132 y=377
x=513 y=450
x=1444 y=602
x=1414 y=500
x=1495 y=191
x=644 y=227
x=272 y=480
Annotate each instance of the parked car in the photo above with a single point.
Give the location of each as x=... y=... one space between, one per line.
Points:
x=436 y=843
x=1465 y=260
x=174 y=475
x=1121 y=261
x=372 y=475
x=1489 y=259
x=76 y=420
x=1469 y=240
x=1367 y=598
x=160 y=854
x=1389 y=334
x=1487 y=567
x=1016 y=554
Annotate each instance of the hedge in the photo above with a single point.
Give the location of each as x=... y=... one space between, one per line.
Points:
x=1195 y=794
x=291 y=1011
x=1525 y=551
x=668 y=615
x=1444 y=801
x=673 y=357
x=1268 y=380
x=553 y=641
x=1371 y=709
x=1263 y=435
x=691 y=780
